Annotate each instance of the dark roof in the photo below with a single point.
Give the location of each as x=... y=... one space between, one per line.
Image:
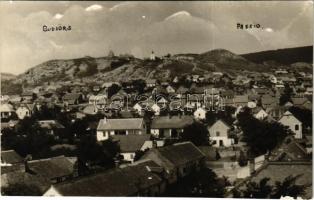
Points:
x=71 y=96
x=278 y=171
x=292 y=151
x=120 y=124
x=50 y=124
x=117 y=182
x=171 y=122
x=10 y=157
x=131 y=143
x=176 y=155
x=52 y=167
x=20 y=177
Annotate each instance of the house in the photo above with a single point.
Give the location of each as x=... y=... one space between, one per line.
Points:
x=240 y=100
x=290 y=121
x=6 y=110
x=178 y=160
x=137 y=179
x=52 y=127
x=290 y=150
x=260 y=113
x=169 y=126
x=24 y=110
x=55 y=169
x=98 y=100
x=155 y=108
x=138 y=108
x=301 y=102
x=27 y=96
x=170 y=89
x=194 y=101
x=268 y=101
x=276 y=112
x=150 y=83
x=10 y=157
x=130 y=126
x=219 y=134
x=72 y=99
x=200 y=113
x=130 y=144
x=278 y=171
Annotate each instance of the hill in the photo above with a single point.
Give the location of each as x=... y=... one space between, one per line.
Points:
x=127 y=67
x=283 y=56
x=7 y=76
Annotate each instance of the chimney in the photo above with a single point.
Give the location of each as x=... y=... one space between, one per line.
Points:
x=26 y=167
x=105 y=120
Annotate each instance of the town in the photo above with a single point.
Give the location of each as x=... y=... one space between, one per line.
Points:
x=214 y=134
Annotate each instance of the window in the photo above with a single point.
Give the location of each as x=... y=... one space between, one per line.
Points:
x=217 y=133
x=296 y=127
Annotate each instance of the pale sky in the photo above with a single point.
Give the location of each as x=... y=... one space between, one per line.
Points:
x=140 y=27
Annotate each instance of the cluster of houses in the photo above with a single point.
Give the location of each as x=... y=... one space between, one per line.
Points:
x=149 y=176
x=144 y=119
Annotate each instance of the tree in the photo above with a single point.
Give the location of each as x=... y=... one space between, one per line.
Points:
x=260 y=136
x=242 y=160
x=288 y=187
x=263 y=190
x=196 y=133
x=286 y=96
x=203 y=183
x=92 y=153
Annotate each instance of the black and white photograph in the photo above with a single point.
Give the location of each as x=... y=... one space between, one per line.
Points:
x=197 y=99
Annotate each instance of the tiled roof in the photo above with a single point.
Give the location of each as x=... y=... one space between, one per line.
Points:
x=120 y=124
x=50 y=124
x=117 y=182
x=131 y=143
x=171 y=121
x=278 y=171
x=20 y=177
x=177 y=154
x=52 y=167
x=10 y=156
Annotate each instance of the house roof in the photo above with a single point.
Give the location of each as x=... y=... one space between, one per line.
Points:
x=131 y=143
x=278 y=171
x=220 y=121
x=6 y=108
x=171 y=121
x=117 y=182
x=241 y=99
x=10 y=156
x=52 y=167
x=299 y=101
x=50 y=124
x=120 y=124
x=20 y=177
x=176 y=155
x=290 y=151
x=71 y=96
x=267 y=99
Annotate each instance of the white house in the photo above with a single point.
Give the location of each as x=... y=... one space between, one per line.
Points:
x=219 y=134
x=156 y=109
x=127 y=126
x=200 y=113
x=24 y=111
x=260 y=114
x=290 y=121
x=138 y=108
x=6 y=110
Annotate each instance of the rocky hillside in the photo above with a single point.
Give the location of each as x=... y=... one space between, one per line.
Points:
x=117 y=68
